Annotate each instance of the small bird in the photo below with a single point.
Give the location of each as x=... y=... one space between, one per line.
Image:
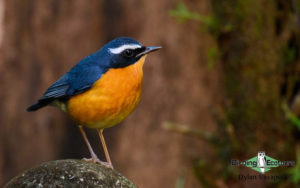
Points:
x=101 y=90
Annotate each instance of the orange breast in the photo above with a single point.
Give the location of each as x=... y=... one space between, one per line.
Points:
x=111 y=99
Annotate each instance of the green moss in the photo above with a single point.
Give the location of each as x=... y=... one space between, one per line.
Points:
x=70 y=173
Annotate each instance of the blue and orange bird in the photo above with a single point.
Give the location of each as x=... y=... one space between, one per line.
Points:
x=102 y=89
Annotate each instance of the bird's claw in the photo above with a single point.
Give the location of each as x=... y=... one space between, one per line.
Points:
x=97 y=161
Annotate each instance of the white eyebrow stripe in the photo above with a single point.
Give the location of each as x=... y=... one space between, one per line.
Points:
x=123 y=47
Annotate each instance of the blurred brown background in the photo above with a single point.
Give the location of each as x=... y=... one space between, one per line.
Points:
x=229 y=68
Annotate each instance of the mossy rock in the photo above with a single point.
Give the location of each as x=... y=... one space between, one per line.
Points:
x=70 y=173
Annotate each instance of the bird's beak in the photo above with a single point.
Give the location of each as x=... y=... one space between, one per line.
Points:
x=148 y=50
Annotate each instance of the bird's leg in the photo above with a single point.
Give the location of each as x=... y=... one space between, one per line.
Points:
x=93 y=155
x=94 y=158
x=100 y=132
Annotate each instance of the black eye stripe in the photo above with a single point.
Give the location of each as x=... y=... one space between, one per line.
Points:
x=139 y=50
x=133 y=52
x=128 y=52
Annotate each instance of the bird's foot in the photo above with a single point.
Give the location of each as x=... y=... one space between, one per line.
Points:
x=97 y=161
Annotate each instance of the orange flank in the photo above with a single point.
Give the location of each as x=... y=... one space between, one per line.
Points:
x=111 y=99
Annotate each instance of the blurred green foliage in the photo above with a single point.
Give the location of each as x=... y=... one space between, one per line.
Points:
x=180 y=182
x=289 y=55
x=209 y=22
x=259 y=54
x=295 y=171
x=294 y=120
x=182 y=14
x=212 y=56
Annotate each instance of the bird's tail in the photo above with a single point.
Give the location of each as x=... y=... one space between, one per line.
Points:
x=39 y=104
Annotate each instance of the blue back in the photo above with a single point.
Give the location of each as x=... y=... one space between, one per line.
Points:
x=84 y=74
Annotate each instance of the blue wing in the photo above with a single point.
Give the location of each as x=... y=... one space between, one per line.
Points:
x=80 y=78
x=76 y=81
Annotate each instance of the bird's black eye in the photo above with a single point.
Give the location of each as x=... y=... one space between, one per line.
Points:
x=128 y=53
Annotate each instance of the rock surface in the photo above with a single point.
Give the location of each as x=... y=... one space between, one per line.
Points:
x=70 y=173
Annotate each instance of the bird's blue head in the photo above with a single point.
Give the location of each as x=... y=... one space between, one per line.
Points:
x=125 y=51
